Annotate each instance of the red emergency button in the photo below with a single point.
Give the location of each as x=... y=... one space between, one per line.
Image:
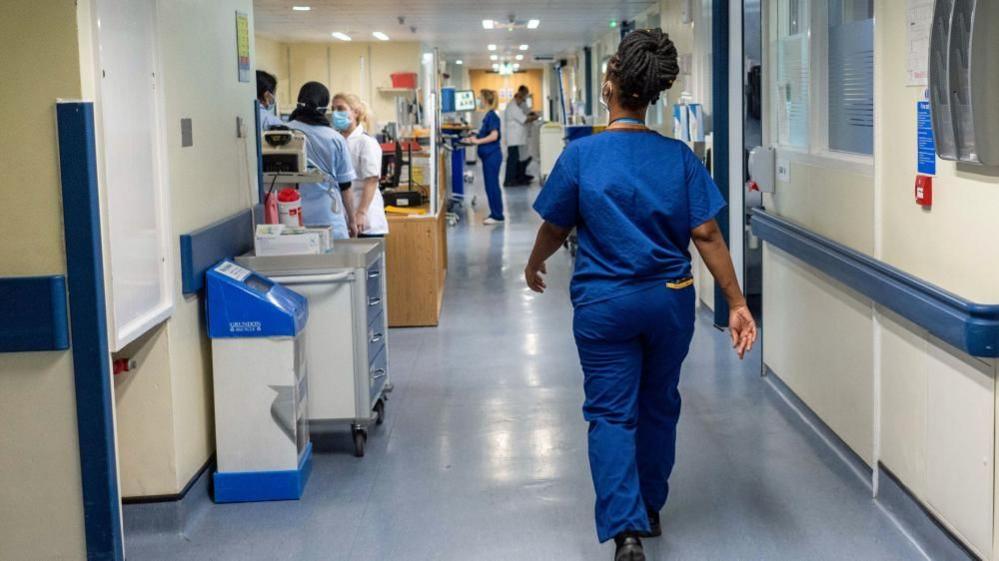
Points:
x=924 y=190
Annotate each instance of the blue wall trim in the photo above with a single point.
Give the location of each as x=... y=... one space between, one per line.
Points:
x=33 y=314
x=971 y=327
x=252 y=486
x=88 y=325
x=260 y=153
x=202 y=248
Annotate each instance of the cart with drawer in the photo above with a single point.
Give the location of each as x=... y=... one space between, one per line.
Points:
x=347 y=340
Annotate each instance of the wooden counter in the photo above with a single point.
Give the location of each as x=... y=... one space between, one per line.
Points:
x=416 y=266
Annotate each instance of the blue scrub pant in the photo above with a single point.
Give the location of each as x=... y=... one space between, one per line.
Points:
x=491 y=163
x=631 y=348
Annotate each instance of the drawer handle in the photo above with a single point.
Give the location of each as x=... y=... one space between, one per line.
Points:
x=380 y=373
x=376 y=338
x=374 y=301
x=374 y=274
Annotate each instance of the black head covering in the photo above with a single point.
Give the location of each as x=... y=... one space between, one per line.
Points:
x=313 y=99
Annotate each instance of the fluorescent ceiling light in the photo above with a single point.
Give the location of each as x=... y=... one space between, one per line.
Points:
x=533 y=23
x=516 y=66
x=459 y=61
x=380 y=36
x=524 y=47
x=301 y=8
x=341 y=36
x=519 y=57
x=491 y=47
x=487 y=24
x=493 y=57
x=495 y=67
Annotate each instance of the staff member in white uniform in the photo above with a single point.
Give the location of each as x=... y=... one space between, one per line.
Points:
x=266 y=84
x=351 y=116
x=517 y=117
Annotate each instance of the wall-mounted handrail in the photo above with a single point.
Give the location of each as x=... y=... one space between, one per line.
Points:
x=969 y=326
x=204 y=247
x=33 y=314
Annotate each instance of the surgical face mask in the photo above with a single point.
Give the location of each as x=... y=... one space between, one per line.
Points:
x=341 y=121
x=605 y=96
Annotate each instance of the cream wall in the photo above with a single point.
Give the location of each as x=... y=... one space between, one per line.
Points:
x=165 y=421
x=41 y=506
x=894 y=393
x=272 y=56
x=355 y=67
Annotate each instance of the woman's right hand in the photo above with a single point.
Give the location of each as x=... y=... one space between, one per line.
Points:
x=742 y=328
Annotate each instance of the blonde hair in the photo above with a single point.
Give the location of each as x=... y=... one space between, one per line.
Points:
x=362 y=113
x=490 y=98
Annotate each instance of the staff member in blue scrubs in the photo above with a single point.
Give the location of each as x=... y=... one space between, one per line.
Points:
x=329 y=203
x=637 y=200
x=488 y=141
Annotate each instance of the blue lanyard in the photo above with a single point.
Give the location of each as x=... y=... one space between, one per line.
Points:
x=627 y=120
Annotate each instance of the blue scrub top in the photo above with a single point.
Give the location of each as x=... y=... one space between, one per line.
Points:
x=328 y=151
x=490 y=123
x=634 y=197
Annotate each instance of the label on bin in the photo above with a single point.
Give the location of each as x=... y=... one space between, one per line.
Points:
x=233 y=271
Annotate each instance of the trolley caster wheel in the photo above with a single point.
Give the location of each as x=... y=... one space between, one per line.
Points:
x=379 y=412
x=360 y=439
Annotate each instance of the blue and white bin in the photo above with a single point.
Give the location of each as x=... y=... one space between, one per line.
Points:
x=257 y=328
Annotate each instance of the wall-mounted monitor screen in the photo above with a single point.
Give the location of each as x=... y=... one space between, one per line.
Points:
x=464 y=100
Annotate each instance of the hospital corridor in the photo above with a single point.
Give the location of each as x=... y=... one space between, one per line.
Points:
x=442 y=280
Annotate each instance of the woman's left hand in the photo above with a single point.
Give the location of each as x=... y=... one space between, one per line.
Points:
x=534 y=275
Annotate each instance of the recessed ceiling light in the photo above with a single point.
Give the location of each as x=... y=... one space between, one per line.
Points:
x=380 y=36
x=341 y=36
x=524 y=47
x=533 y=23
x=493 y=57
x=301 y=8
x=519 y=57
x=516 y=66
x=491 y=47
x=487 y=24
x=459 y=61
x=495 y=67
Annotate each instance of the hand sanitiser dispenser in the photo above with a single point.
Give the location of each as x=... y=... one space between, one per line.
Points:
x=257 y=328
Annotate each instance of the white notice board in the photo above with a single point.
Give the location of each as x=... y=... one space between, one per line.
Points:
x=919 y=19
x=131 y=168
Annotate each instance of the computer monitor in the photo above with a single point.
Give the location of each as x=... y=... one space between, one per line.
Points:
x=464 y=100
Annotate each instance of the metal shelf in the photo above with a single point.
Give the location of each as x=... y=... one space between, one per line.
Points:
x=288 y=178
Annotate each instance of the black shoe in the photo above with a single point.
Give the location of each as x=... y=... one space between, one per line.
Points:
x=629 y=547
x=655 y=526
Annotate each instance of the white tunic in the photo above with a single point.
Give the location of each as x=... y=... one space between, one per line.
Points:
x=516 y=124
x=366 y=156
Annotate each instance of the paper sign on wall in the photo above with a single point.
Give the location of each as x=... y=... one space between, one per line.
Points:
x=919 y=20
x=243 y=46
x=926 y=147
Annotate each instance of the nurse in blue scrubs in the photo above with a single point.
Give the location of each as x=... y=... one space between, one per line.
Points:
x=637 y=200
x=488 y=141
x=328 y=203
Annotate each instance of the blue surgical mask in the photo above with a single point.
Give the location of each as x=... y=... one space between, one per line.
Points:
x=341 y=121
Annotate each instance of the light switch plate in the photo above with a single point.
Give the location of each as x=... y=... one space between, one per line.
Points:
x=186 y=132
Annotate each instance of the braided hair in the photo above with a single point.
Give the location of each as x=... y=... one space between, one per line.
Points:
x=644 y=66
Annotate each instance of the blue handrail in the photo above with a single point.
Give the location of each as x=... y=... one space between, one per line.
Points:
x=204 y=247
x=969 y=326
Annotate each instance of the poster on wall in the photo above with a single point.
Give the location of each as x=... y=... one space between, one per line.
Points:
x=919 y=20
x=243 y=46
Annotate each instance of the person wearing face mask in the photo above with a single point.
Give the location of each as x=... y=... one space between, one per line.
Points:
x=517 y=116
x=637 y=200
x=266 y=84
x=488 y=141
x=329 y=203
x=351 y=117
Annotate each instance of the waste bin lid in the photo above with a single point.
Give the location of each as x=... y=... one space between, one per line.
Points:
x=244 y=304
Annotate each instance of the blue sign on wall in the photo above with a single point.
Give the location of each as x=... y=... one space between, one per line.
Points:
x=926 y=147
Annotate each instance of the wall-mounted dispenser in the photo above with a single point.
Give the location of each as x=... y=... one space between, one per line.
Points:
x=964 y=83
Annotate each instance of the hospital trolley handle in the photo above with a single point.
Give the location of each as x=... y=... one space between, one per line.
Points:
x=374 y=301
x=380 y=373
x=345 y=276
